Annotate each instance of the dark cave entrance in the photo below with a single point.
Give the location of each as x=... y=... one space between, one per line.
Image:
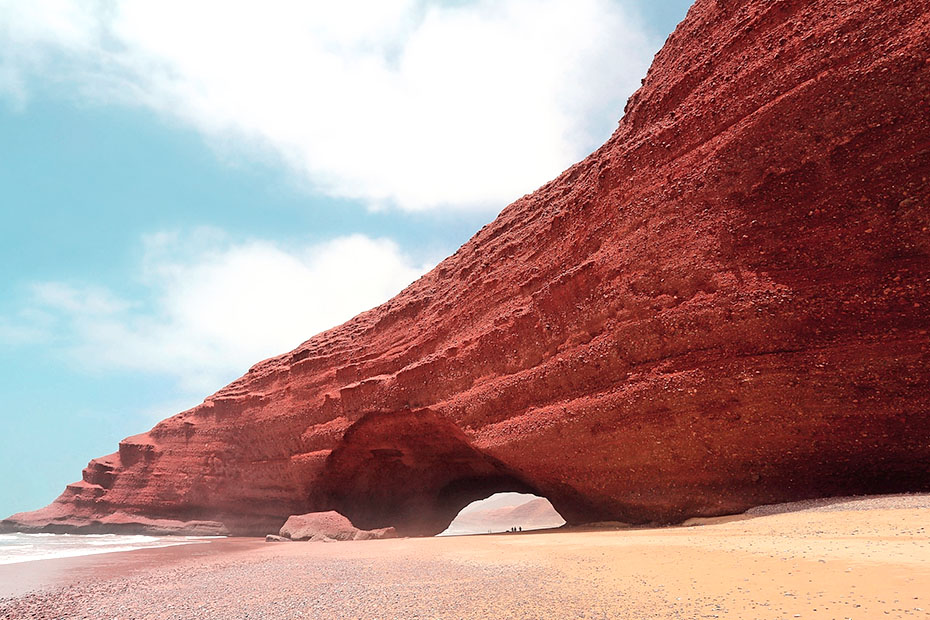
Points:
x=413 y=470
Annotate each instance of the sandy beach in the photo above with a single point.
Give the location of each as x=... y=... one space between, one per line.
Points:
x=860 y=559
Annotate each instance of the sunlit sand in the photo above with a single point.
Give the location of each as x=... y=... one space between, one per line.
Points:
x=828 y=559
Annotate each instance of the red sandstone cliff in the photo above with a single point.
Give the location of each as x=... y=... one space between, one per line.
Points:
x=725 y=305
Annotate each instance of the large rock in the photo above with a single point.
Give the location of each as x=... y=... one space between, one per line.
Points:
x=329 y=525
x=726 y=305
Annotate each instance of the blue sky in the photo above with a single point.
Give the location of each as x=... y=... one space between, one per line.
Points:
x=187 y=189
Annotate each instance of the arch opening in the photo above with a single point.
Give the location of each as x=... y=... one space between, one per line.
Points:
x=412 y=470
x=502 y=512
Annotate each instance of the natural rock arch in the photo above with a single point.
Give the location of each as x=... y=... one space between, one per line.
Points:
x=412 y=470
x=725 y=305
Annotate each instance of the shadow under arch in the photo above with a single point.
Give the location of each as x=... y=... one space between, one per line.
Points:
x=412 y=470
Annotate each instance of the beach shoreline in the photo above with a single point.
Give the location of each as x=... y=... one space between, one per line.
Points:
x=860 y=558
x=20 y=578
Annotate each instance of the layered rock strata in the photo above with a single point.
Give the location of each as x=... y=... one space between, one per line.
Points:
x=725 y=305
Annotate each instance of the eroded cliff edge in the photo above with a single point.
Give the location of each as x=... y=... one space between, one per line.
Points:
x=726 y=305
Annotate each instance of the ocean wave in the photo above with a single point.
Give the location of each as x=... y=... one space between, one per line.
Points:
x=20 y=547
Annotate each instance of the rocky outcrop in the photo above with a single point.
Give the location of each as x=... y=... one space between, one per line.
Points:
x=328 y=526
x=58 y=520
x=725 y=305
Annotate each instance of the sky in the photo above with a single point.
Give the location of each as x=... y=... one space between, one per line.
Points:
x=187 y=188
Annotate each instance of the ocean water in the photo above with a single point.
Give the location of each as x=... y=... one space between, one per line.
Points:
x=17 y=547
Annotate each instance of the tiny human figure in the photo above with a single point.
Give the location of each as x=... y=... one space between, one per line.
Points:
x=521 y=528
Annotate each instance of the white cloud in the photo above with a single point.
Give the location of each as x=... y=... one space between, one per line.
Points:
x=21 y=332
x=90 y=300
x=406 y=102
x=209 y=307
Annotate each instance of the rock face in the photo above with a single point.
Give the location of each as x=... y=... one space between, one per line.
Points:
x=725 y=305
x=329 y=525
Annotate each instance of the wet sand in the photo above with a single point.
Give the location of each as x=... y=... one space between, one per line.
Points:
x=863 y=560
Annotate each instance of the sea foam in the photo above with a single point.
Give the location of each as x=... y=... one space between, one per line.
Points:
x=17 y=547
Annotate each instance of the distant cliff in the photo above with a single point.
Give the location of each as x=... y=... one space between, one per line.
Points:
x=535 y=514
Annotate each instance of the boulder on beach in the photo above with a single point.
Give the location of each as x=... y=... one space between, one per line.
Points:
x=329 y=526
x=276 y=538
